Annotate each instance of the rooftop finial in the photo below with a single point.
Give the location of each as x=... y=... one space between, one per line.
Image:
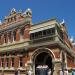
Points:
x=20 y=10
x=13 y=10
x=28 y=11
x=62 y=22
x=0 y=22
x=71 y=39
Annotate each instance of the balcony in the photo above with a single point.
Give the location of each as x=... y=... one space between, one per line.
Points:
x=44 y=37
x=47 y=40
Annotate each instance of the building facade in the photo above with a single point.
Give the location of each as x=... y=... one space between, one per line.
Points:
x=34 y=48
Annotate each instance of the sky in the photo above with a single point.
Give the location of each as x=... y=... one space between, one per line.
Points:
x=43 y=10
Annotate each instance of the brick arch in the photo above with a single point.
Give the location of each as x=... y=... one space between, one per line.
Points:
x=40 y=50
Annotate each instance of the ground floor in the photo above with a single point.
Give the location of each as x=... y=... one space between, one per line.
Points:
x=42 y=61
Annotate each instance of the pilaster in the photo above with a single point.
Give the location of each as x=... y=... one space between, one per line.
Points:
x=17 y=34
x=2 y=39
x=5 y=61
x=57 y=67
x=16 y=61
x=26 y=32
x=10 y=62
x=12 y=38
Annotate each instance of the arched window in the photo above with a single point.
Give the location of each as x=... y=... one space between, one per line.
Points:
x=21 y=61
x=9 y=36
x=12 y=62
x=14 y=35
x=22 y=31
x=7 y=62
x=2 y=62
x=5 y=38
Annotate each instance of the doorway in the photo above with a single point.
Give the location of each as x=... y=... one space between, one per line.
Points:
x=43 y=63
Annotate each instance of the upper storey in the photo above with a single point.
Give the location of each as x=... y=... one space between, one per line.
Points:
x=17 y=31
x=50 y=29
x=15 y=28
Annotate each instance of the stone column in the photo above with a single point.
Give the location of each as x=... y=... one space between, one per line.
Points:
x=57 y=67
x=12 y=38
x=30 y=64
x=5 y=61
x=7 y=37
x=63 y=62
x=10 y=60
x=24 y=61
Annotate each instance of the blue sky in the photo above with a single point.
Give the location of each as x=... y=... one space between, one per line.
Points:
x=43 y=10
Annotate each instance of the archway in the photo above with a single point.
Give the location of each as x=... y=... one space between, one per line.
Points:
x=43 y=58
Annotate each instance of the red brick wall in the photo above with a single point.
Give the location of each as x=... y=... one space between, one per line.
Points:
x=70 y=62
x=56 y=51
x=16 y=61
x=17 y=34
x=26 y=58
x=57 y=54
x=26 y=32
x=25 y=36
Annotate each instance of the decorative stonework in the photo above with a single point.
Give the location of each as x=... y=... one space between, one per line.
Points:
x=40 y=50
x=22 y=44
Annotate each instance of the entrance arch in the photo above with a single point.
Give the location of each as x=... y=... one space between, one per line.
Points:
x=43 y=57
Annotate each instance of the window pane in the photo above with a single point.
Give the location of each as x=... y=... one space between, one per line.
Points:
x=32 y=36
x=14 y=33
x=7 y=62
x=12 y=62
x=53 y=31
x=2 y=62
x=44 y=32
x=21 y=62
x=22 y=31
x=48 y=31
